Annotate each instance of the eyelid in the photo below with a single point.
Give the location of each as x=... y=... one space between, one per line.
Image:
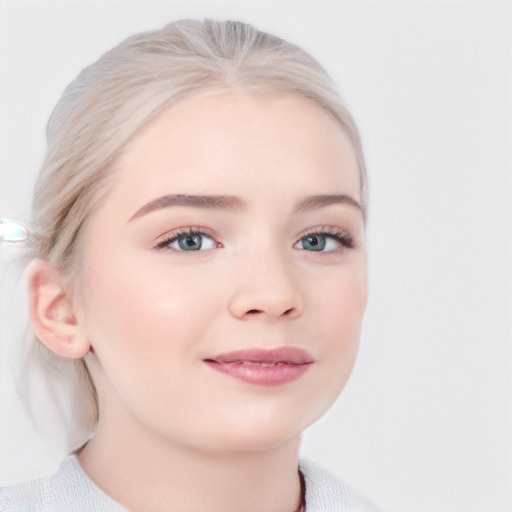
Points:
x=162 y=243
x=342 y=236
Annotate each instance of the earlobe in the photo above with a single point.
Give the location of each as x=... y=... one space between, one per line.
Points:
x=52 y=312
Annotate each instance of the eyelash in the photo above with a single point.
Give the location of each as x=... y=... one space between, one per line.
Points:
x=177 y=233
x=345 y=240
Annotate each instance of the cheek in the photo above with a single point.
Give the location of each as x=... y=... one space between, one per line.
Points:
x=146 y=328
x=334 y=319
x=143 y=312
x=339 y=311
x=340 y=306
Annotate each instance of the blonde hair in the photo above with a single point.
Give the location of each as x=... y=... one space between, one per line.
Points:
x=108 y=103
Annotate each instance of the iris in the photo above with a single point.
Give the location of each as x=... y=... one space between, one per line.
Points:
x=314 y=242
x=190 y=242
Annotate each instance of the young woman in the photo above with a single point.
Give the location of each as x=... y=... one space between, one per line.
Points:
x=199 y=274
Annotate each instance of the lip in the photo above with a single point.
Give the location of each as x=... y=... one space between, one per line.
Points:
x=263 y=367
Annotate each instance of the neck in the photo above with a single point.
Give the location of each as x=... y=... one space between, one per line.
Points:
x=145 y=472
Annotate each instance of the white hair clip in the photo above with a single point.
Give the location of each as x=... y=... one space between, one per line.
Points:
x=13 y=231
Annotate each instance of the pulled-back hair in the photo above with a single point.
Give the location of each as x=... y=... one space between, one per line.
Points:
x=106 y=106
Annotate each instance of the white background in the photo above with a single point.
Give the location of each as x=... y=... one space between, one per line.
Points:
x=425 y=421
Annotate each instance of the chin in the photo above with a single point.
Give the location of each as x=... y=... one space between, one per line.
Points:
x=261 y=440
x=256 y=434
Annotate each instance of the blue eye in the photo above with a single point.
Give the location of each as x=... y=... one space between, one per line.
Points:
x=313 y=242
x=326 y=240
x=188 y=241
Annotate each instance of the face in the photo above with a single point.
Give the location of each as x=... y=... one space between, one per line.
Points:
x=223 y=280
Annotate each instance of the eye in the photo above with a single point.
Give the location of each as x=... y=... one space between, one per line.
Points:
x=324 y=241
x=188 y=241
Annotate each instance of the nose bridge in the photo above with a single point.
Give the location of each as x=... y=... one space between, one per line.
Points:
x=266 y=284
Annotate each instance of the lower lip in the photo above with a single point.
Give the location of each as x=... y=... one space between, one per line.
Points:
x=259 y=375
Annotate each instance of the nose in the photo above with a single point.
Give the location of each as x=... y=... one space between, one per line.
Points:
x=267 y=289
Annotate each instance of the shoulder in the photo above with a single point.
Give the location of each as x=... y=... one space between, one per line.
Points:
x=68 y=490
x=325 y=492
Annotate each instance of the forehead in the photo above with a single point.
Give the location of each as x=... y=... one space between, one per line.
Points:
x=214 y=141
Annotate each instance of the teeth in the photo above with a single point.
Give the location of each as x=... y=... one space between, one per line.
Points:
x=256 y=363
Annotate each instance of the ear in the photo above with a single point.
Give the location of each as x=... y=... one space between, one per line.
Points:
x=53 y=315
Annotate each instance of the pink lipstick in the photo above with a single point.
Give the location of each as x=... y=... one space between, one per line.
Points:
x=263 y=367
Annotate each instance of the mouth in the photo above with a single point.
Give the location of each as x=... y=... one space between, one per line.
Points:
x=263 y=367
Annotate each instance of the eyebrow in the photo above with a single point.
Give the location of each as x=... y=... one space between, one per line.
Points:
x=205 y=202
x=319 y=201
x=236 y=203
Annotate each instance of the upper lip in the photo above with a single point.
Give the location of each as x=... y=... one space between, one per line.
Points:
x=291 y=355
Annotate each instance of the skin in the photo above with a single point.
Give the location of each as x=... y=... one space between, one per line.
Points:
x=149 y=314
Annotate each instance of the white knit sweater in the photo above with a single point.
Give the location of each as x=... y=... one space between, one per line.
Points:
x=70 y=490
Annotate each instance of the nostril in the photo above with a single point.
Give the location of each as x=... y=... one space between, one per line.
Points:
x=254 y=312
